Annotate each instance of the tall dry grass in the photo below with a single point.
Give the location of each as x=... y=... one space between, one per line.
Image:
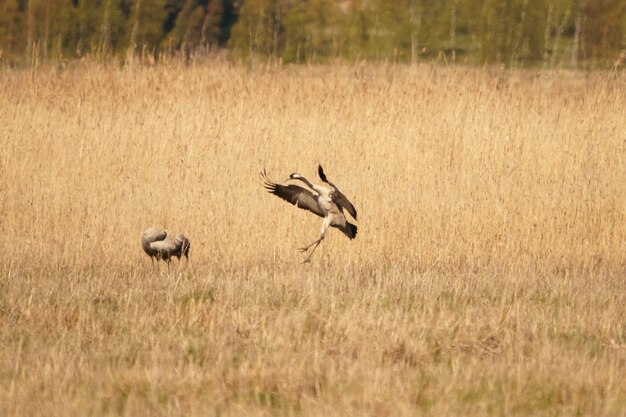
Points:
x=488 y=276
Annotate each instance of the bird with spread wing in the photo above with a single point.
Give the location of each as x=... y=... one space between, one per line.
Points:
x=327 y=201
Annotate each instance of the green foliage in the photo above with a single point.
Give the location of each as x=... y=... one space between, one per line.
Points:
x=310 y=31
x=260 y=28
x=514 y=32
x=605 y=27
x=60 y=28
x=12 y=28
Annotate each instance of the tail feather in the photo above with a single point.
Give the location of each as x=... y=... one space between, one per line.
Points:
x=349 y=230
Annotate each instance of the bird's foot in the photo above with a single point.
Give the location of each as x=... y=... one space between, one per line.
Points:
x=303 y=249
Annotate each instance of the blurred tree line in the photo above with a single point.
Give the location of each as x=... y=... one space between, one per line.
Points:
x=514 y=32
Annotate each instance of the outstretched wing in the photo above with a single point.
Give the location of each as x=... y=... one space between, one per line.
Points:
x=342 y=201
x=294 y=194
x=337 y=196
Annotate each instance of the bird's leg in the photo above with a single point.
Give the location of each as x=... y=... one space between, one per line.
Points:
x=325 y=226
x=315 y=244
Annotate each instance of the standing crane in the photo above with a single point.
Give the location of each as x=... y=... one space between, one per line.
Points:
x=158 y=245
x=326 y=201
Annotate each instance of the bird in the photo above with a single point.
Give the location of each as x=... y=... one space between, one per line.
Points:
x=158 y=245
x=327 y=201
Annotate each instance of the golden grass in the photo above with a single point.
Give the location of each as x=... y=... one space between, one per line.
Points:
x=488 y=276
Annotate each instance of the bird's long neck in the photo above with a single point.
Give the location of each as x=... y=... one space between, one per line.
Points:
x=304 y=180
x=145 y=243
x=319 y=189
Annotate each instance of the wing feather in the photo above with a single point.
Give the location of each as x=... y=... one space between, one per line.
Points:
x=166 y=245
x=337 y=196
x=342 y=201
x=294 y=194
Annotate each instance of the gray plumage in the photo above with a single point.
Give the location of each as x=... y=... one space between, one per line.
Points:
x=325 y=201
x=158 y=245
x=337 y=195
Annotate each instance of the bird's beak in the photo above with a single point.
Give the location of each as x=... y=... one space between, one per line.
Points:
x=288 y=178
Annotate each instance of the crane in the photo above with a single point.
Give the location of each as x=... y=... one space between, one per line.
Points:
x=326 y=201
x=159 y=245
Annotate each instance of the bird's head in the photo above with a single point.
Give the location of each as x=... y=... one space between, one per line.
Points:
x=295 y=176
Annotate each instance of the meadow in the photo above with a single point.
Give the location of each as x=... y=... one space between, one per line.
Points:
x=488 y=276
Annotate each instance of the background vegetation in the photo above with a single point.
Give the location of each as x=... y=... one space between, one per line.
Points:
x=487 y=278
x=570 y=33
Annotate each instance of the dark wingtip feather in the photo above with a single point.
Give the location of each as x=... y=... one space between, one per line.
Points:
x=353 y=230
x=267 y=184
x=320 y=172
x=349 y=230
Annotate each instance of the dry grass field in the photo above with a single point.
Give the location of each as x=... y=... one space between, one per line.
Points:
x=488 y=276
